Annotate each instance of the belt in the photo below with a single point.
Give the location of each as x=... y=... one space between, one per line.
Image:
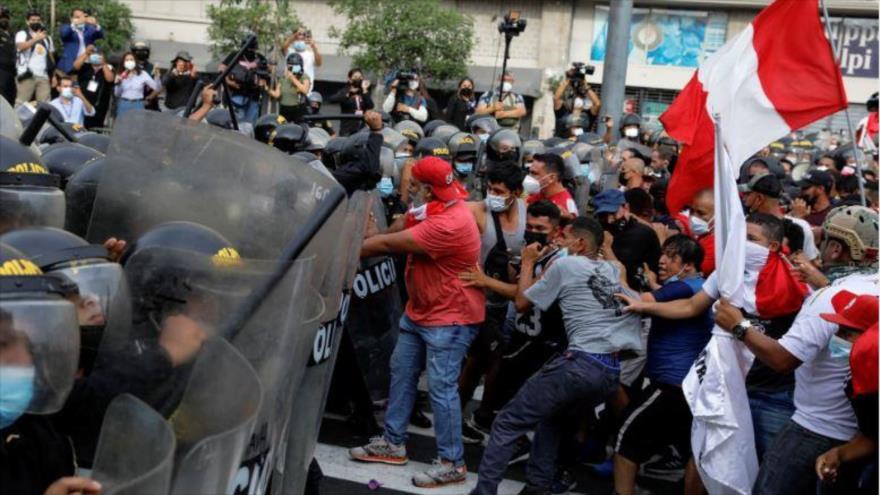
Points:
x=129 y=99
x=610 y=360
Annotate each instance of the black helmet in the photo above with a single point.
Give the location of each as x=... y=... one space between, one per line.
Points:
x=80 y=193
x=50 y=135
x=16 y=157
x=432 y=147
x=265 y=124
x=187 y=236
x=290 y=138
x=444 y=132
x=219 y=117
x=630 y=119
x=50 y=247
x=295 y=59
x=463 y=144
x=504 y=144
x=30 y=198
x=100 y=142
x=64 y=159
x=333 y=150
x=430 y=126
x=318 y=139
x=140 y=49
x=486 y=124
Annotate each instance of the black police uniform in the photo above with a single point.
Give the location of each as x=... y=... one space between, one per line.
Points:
x=33 y=455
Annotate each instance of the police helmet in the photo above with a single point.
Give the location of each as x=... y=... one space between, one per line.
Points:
x=63 y=159
x=410 y=130
x=219 y=117
x=504 y=144
x=290 y=138
x=318 y=139
x=432 y=147
x=481 y=124
x=99 y=142
x=444 y=132
x=265 y=124
x=463 y=145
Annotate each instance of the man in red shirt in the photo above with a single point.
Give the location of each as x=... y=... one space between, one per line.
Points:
x=545 y=182
x=441 y=319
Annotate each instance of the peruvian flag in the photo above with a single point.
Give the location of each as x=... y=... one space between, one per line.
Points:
x=777 y=75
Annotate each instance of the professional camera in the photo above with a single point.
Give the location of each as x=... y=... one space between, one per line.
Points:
x=37 y=27
x=579 y=71
x=404 y=77
x=512 y=25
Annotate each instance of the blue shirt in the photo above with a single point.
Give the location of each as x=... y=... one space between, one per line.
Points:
x=673 y=345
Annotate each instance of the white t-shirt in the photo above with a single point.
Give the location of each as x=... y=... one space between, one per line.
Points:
x=37 y=58
x=73 y=111
x=810 y=248
x=308 y=57
x=821 y=405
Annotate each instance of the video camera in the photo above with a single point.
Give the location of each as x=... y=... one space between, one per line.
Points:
x=404 y=77
x=579 y=71
x=512 y=25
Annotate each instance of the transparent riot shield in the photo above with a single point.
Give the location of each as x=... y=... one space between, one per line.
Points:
x=135 y=450
x=214 y=420
x=10 y=125
x=308 y=408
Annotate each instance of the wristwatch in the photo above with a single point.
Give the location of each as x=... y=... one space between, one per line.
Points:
x=739 y=330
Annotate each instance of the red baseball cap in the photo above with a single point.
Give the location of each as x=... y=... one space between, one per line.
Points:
x=853 y=311
x=437 y=173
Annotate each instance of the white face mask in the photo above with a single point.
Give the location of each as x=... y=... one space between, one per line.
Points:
x=631 y=132
x=699 y=226
x=67 y=93
x=531 y=185
x=577 y=131
x=506 y=87
x=496 y=204
x=756 y=256
x=413 y=85
x=130 y=64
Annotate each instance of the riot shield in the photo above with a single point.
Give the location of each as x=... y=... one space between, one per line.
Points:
x=308 y=408
x=214 y=420
x=10 y=125
x=135 y=450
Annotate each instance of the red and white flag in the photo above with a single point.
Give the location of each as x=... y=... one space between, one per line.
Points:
x=776 y=76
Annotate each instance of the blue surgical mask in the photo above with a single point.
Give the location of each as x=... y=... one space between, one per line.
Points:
x=299 y=46
x=400 y=160
x=699 y=226
x=839 y=348
x=94 y=59
x=16 y=392
x=296 y=69
x=584 y=170
x=674 y=278
x=464 y=168
x=496 y=204
x=385 y=187
x=484 y=137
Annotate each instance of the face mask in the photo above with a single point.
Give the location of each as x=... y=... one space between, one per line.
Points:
x=531 y=185
x=79 y=26
x=16 y=392
x=67 y=93
x=674 y=278
x=631 y=132
x=584 y=171
x=466 y=92
x=621 y=178
x=496 y=204
x=130 y=64
x=756 y=256
x=385 y=187
x=357 y=83
x=299 y=46
x=35 y=26
x=296 y=69
x=95 y=59
x=839 y=348
x=464 y=168
x=506 y=87
x=577 y=131
x=699 y=226
x=616 y=226
x=483 y=137
x=832 y=147
x=413 y=85
x=533 y=237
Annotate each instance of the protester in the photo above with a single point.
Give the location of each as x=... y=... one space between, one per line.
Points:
x=353 y=98
x=71 y=102
x=36 y=61
x=82 y=31
x=302 y=43
x=634 y=244
x=97 y=77
x=632 y=173
x=589 y=368
x=7 y=58
x=702 y=227
x=179 y=82
x=131 y=81
x=544 y=181
x=462 y=104
x=663 y=160
x=508 y=109
x=441 y=320
x=762 y=194
x=815 y=201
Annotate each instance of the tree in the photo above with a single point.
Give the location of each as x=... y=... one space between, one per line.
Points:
x=113 y=16
x=387 y=35
x=233 y=20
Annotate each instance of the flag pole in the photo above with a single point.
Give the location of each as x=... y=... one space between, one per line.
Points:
x=852 y=135
x=722 y=225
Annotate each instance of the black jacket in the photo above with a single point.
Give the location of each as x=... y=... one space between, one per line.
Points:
x=361 y=171
x=348 y=104
x=33 y=455
x=458 y=110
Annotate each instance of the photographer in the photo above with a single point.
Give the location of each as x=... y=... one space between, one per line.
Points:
x=574 y=96
x=507 y=110
x=35 y=48
x=82 y=31
x=246 y=82
x=354 y=98
x=71 y=102
x=301 y=43
x=293 y=89
x=408 y=104
x=462 y=105
x=179 y=82
x=96 y=77
x=131 y=84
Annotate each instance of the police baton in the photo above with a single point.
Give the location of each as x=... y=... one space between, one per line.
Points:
x=248 y=43
x=44 y=113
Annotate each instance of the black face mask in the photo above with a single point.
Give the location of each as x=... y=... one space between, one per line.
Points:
x=466 y=92
x=314 y=110
x=533 y=237
x=621 y=178
x=357 y=83
x=616 y=226
x=36 y=26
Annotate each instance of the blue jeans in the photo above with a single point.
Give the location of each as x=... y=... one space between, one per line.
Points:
x=247 y=109
x=573 y=377
x=789 y=465
x=442 y=349
x=770 y=412
x=123 y=106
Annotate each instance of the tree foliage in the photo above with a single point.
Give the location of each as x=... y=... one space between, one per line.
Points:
x=233 y=20
x=113 y=16
x=385 y=35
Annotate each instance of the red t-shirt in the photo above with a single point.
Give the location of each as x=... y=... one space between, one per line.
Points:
x=437 y=297
x=562 y=199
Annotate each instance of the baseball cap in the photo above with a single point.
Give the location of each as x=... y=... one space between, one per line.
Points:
x=608 y=201
x=853 y=311
x=183 y=55
x=816 y=178
x=764 y=184
x=437 y=173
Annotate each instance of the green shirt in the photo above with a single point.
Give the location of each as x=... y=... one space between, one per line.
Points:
x=290 y=96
